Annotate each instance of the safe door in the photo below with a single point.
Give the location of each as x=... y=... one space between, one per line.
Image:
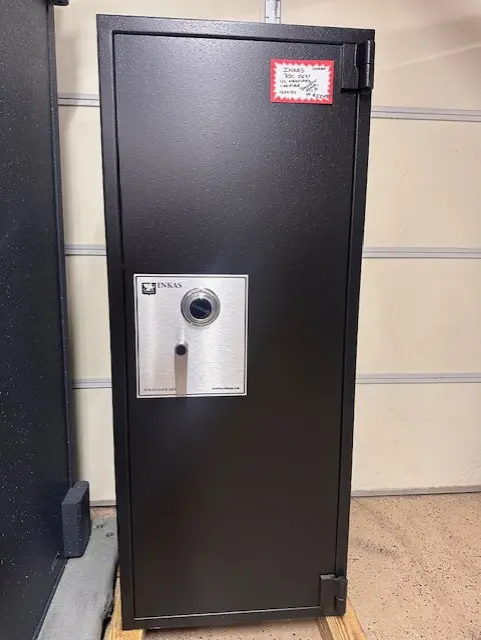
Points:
x=234 y=171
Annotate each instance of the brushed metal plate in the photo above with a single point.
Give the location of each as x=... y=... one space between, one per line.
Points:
x=217 y=361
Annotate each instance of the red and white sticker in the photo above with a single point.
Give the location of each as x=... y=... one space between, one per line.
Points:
x=302 y=81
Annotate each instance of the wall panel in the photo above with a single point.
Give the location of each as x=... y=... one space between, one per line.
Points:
x=88 y=316
x=81 y=157
x=417 y=436
x=96 y=449
x=423 y=184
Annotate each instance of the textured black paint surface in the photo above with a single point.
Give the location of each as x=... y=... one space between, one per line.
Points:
x=229 y=507
x=216 y=179
x=33 y=435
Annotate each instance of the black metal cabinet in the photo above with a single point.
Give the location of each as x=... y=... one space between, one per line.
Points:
x=235 y=159
x=36 y=454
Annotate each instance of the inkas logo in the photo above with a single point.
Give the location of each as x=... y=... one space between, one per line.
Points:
x=149 y=288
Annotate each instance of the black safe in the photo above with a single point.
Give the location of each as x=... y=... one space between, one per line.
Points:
x=37 y=434
x=235 y=161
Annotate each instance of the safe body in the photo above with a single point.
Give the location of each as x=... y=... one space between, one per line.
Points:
x=235 y=160
x=37 y=434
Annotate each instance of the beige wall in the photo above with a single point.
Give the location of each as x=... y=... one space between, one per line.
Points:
x=417 y=315
x=428 y=51
x=416 y=436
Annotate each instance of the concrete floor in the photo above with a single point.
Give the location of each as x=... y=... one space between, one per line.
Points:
x=415 y=567
x=414 y=573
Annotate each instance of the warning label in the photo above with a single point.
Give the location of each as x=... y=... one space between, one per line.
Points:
x=301 y=81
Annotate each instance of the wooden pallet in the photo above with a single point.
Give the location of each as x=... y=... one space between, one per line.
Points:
x=341 y=628
x=335 y=628
x=114 y=630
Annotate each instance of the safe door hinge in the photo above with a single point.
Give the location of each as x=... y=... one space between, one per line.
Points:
x=358 y=66
x=365 y=64
x=333 y=595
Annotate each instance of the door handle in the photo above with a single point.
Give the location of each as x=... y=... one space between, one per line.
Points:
x=181 y=357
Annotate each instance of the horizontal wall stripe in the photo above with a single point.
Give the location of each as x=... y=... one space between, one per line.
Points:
x=391 y=113
x=92 y=383
x=85 y=250
x=78 y=100
x=362 y=378
x=417 y=378
x=444 y=253
x=421 y=113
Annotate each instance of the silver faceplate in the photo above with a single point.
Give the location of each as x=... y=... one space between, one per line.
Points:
x=217 y=357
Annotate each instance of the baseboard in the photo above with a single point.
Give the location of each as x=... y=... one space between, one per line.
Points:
x=367 y=493
x=103 y=503
x=415 y=491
